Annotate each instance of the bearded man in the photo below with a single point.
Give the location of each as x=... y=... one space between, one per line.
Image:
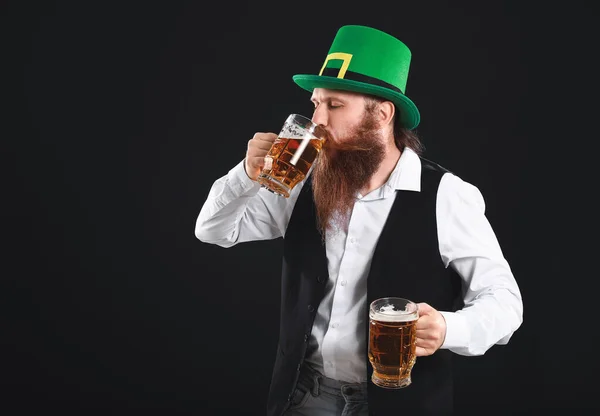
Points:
x=373 y=219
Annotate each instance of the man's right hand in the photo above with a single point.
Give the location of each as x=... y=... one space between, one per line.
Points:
x=258 y=147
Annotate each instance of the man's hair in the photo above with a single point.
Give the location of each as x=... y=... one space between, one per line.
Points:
x=402 y=136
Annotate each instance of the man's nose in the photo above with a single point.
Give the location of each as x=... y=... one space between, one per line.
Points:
x=320 y=115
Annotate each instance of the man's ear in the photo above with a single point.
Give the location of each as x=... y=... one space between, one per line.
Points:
x=385 y=112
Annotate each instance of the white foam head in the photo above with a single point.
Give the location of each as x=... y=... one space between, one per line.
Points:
x=291 y=130
x=387 y=313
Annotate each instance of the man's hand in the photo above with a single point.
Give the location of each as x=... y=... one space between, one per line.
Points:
x=431 y=330
x=258 y=147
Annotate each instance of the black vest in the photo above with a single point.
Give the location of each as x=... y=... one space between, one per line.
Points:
x=406 y=263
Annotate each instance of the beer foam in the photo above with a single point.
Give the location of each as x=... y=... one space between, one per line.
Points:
x=295 y=132
x=387 y=313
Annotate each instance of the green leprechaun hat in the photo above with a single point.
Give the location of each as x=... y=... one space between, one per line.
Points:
x=369 y=61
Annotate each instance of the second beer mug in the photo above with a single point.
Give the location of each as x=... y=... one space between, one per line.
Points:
x=392 y=341
x=292 y=154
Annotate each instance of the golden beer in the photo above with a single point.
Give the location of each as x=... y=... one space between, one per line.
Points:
x=292 y=155
x=392 y=341
x=290 y=161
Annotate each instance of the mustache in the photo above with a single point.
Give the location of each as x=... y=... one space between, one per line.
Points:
x=346 y=146
x=352 y=145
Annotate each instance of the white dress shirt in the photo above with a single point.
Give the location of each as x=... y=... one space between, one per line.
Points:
x=238 y=209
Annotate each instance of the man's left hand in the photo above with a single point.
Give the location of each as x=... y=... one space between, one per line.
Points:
x=431 y=330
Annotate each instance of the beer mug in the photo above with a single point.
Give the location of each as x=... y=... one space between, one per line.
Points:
x=392 y=341
x=292 y=154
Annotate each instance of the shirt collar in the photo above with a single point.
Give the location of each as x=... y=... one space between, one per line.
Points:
x=406 y=175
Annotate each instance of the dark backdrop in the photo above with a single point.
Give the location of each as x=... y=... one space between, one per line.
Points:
x=124 y=115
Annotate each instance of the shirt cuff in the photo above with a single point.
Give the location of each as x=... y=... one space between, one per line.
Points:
x=457 y=331
x=239 y=181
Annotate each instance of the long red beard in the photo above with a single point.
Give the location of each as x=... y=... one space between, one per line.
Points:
x=342 y=170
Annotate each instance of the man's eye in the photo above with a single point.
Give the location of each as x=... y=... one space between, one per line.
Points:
x=331 y=106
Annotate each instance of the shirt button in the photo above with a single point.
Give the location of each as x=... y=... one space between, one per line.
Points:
x=353 y=240
x=310 y=308
x=305 y=337
x=343 y=283
x=335 y=325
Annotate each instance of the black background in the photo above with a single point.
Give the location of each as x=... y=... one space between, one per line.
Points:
x=124 y=115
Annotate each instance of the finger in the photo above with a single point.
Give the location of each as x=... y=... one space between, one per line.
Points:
x=266 y=137
x=430 y=345
x=425 y=334
x=256 y=161
x=424 y=322
x=422 y=352
x=424 y=308
x=430 y=329
x=261 y=144
x=425 y=343
x=253 y=150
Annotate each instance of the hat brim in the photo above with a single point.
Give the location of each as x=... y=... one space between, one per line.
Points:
x=409 y=113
